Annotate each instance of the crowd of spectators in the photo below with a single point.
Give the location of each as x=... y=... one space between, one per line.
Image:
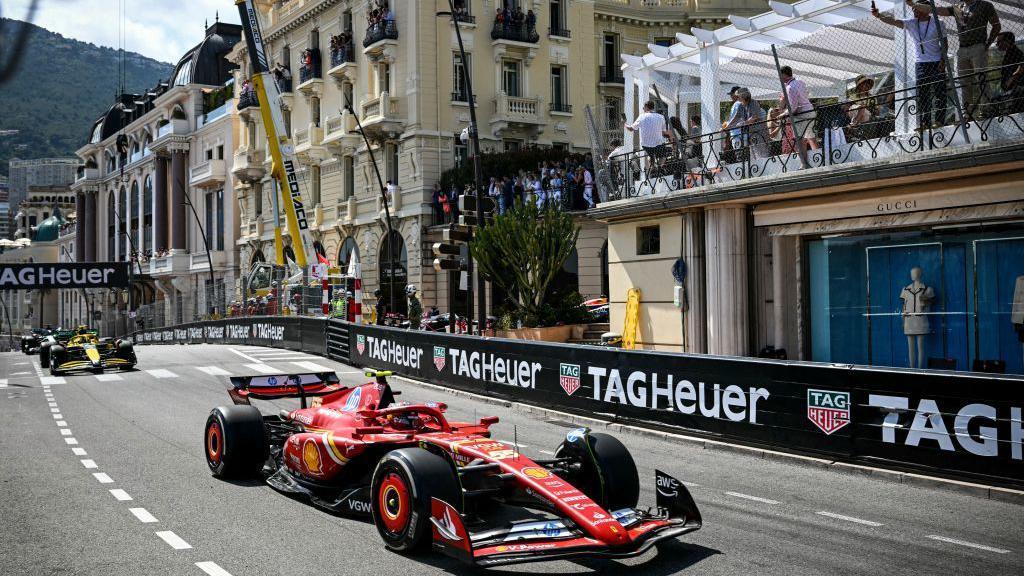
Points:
x=380 y=18
x=342 y=47
x=511 y=22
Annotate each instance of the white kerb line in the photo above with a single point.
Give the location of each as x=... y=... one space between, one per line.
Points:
x=246 y=356
x=969 y=544
x=849 y=519
x=212 y=569
x=173 y=540
x=754 y=498
x=143 y=515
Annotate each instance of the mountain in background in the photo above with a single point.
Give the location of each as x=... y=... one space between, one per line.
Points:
x=62 y=86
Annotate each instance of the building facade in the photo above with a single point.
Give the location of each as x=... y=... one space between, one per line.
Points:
x=397 y=68
x=154 y=189
x=41 y=172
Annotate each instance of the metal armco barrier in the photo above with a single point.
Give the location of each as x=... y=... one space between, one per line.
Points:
x=304 y=334
x=959 y=425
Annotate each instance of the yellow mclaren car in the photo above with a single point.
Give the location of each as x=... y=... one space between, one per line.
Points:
x=85 y=351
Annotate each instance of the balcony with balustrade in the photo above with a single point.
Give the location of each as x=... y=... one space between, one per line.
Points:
x=382 y=114
x=516 y=112
x=340 y=132
x=247 y=165
x=309 y=144
x=379 y=35
x=209 y=174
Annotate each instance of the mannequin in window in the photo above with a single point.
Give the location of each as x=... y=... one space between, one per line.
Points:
x=1017 y=311
x=917 y=300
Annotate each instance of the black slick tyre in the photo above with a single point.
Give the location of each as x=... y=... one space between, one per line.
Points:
x=403 y=485
x=607 y=471
x=234 y=442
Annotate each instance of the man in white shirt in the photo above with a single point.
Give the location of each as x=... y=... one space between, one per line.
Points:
x=588 y=188
x=653 y=133
x=803 y=111
x=925 y=31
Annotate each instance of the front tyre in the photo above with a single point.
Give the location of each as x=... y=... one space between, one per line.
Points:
x=44 y=355
x=234 y=441
x=403 y=485
x=55 y=358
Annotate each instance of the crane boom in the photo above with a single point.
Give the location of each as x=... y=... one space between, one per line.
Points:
x=281 y=150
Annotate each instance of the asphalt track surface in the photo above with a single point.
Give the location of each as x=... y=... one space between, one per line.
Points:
x=75 y=448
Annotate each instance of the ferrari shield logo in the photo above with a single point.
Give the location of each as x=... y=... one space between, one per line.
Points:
x=360 y=343
x=569 y=377
x=828 y=410
x=439 y=352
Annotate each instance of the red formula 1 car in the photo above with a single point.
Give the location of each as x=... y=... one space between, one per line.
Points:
x=425 y=480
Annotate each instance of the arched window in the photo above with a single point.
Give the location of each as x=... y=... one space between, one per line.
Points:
x=392 y=266
x=257 y=258
x=346 y=252
x=147 y=215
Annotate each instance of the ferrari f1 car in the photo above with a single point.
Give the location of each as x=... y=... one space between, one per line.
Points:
x=427 y=481
x=85 y=351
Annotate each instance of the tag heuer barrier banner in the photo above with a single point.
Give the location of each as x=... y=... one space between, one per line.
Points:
x=64 y=275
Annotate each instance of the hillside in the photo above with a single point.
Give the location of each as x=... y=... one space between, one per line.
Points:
x=60 y=87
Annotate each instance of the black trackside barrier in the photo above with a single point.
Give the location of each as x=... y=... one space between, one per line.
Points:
x=303 y=334
x=960 y=425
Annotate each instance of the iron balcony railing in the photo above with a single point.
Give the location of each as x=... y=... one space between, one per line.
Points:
x=560 y=32
x=248 y=100
x=611 y=75
x=515 y=31
x=311 y=68
x=462 y=96
x=342 y=55
x=888 y=125
x=560 y=107
x=383 y=30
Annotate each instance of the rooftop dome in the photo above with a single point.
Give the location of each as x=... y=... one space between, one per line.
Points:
x=206 y=63
x=49 y=229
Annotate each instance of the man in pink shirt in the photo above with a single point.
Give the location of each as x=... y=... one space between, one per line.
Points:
x=802 y=109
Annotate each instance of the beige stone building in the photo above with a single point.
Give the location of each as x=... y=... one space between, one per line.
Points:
x=532 y=83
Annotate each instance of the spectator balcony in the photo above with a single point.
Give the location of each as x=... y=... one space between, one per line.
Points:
x=340 y=133
x=343 y=63
x=311 y=75
x=382 y=114
x=170 y=265
x=516 y=111
x=247 y=165
x=610 y=75
x=514 y=32
x=248 y=99
x=209 y=174
x=380 y=35
x=309 y=144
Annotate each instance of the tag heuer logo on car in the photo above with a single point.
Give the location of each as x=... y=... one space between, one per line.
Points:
x=828 y=410
x=360 y=343
x=569 y=377
x=439 y=352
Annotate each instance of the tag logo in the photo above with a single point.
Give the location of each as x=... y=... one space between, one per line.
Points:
x=569 y=377
x=360 y=343
x=828 y=410
x=439 y=353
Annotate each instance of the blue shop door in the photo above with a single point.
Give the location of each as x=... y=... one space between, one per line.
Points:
x=888 y=273
x=998 y=264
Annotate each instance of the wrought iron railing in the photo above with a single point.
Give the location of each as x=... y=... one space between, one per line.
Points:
x=515 y=31
x=891 y=124
x=560 y=107
x=383 y=30
x=560 y=32
x=248 y=100
x=611 y=75
x=462 y=96
x=343 y=54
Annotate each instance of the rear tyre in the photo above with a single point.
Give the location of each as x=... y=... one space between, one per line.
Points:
x=234 y=441
x=607 y=471
x=55 y=358
x=126 y=351
x=44 y=355
x=403 y=485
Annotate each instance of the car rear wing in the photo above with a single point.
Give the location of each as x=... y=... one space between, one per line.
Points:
x=244 y=388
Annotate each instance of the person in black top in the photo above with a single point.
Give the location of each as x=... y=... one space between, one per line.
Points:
x=381 y=307
x=1011 y=75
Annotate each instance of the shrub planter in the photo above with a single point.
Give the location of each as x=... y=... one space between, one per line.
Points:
x=549 y=334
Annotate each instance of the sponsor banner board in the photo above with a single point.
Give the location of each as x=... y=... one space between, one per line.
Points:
x=961 y=425
x=44 y=275
x=301 y=334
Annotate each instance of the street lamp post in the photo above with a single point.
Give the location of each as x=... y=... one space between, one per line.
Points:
x=477 y=174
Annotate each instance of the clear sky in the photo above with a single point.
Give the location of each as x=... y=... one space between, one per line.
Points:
x=159 y=29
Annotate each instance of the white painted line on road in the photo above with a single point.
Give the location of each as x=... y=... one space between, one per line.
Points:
x=269 y=353
x=61 y=423
x=969 y=544
x=283 y=358
x=246 y=356
x=19 y=373
x=754 y=498
x=143 y=515
x=263 y=368
x=65 y=432
x=312 y=366
x=58 y=416
x=212 y=569
x=511 y=443
x=109 y=377
x=213 y=370
x=47 y=380
x=102 y=478
x=849 y=519
x=173 y=540
x=52 y=404
x=161 y=373
x=120 y=495
x=54 y=410
x=70 y=441
x=79 y=451
x=548 y=452
x=89 y=463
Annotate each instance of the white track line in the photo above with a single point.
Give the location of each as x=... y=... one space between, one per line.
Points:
x=109 y=377
x=548 y=452
x=47 y=380
x=52 y=404
x=89 y=463
x=849 y=519
x=79 y=451
x=312 y=366
x=161 y=373
x=61 y=423
x=263 y=368
x=120 y=495
x=213 y=370
x=55 y=410
x=969 y=544
x=511 y=443
x=246 y=356
x=65 y=432
x=173 y=540
x=754 y=498
x=212 y=569
x=102 y=478
x=70 y=441
x=143 y=515
x=3 y=382
x=58 y=416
